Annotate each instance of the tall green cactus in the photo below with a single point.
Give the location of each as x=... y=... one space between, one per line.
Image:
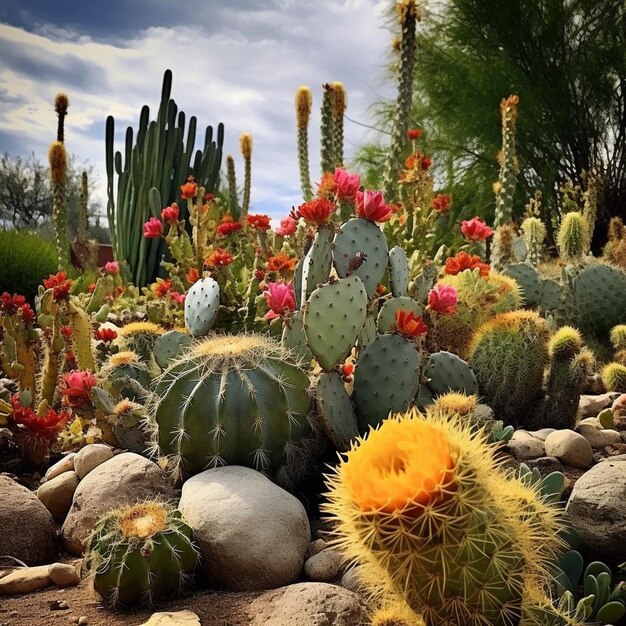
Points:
x=148 y=176
x=246 y=150
x=303 y=103
x=509 y=167
x=408 y=13
x=327 y=130
x=338 y=107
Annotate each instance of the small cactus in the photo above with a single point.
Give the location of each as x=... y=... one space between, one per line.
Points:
x=574 y=237
x=614 y=377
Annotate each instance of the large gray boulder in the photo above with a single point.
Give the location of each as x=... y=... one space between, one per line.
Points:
x=123 y=480
x=597 y=509
x=252 y=534
x=27 y=530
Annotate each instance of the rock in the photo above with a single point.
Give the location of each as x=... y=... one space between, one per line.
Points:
x=590 y=421
x=590 y=406
x=596 y=385
x=252 y=534
x=82 y=621
x=524 y=446
x=27 y=530
x=351 y=581
x=308 y=604
x=66 y=464
x=64 y=575
x=173 y=618
x=597 y=509
x=542 y=433
x=545 y=464
x=25 y=580
x=57 y=494
x=90 y=457
x=570 y=447
x=125 y=479
x=598 y=438
x=323 y=566
x=315 y=547
x=619 y=412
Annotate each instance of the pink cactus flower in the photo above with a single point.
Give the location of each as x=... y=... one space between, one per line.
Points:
x=76 y=387
x=371 y=205
x=153 y=228
x=475 y=229
x=280 y=298
x=442 y=299
x=170 y=213
x=287 y=227
x=112 y=267
x=346 y=184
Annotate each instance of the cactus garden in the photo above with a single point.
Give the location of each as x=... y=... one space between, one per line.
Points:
x=398 y=401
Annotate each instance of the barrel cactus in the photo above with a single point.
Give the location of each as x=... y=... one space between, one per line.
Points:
x=234 y=400
x=141 y=553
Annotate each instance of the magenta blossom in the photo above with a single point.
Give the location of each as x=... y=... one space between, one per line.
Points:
x=371 y=206
x=442 y=299
x=475 y=229
x=287 y=227
x=112 y=267
x=346 y=185
x=153 y=228
x=280 y=298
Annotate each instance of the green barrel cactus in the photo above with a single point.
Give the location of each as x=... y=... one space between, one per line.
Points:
x=573 y=238
x=141 y=553
x=234 y=400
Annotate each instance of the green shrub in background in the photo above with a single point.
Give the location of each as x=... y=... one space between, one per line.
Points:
x=25 y=260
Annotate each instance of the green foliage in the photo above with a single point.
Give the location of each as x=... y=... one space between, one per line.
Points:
x=25 y=260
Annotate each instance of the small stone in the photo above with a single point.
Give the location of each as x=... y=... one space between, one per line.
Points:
x=173 y=618
x=570 y=447
x=596 y=386
x=58 y=605
x=82 y=621
x=524 y=446
x=323 y=566
x=57 y=494
x=66 y=464
x=598 y=438
x=90 y=457
x=64 y=575
x=351 y=581
x=542 y=433
x=591 y=421
x=25 y=580
x=315 y=547
x=590 y=406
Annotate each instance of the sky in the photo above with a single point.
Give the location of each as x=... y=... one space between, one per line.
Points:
x=234 y=61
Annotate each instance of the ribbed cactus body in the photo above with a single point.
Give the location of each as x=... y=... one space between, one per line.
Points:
x=327 y=131
x=574 y=236
x=140 y=554
x=303 y=102
x=534 y=234
x=508 y=355
x=234 y=400
x=423 y=508
x=509 y=167
x=614 y=377
x=139 y=337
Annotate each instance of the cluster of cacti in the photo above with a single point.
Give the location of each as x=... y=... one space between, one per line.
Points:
x=148 y=174
x=141 y=554
x=442 y=534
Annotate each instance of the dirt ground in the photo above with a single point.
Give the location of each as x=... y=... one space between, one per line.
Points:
x=214 y=608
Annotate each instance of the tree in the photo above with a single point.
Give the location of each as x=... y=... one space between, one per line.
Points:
x=565 y=59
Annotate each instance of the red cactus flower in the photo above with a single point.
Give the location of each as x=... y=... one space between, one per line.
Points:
x=317 y=211
x=46 y=426
x=346 y=185
x=219 y=258
x=27 y=314
x=259 y=274
x=107 y=335
x=170 y=213
x=463 y=261
x=426 y=162
x=371 y=205
x=227 y=227
x=179 y=298
x=112 y=267
x=475 y=229
x=153 y=228
x=192 y=275
x=282 y=263
x=66 y=331
x=189 y=189
x=287 y=226
x=413 y=133
x=91 y=287
x=76 y=387
x=10 y=304
x=161 y=287
x=442 y=299
x=347 y=369
x=280 y=298
x=409 y=324
x=60 y=286
x=381 y=290
x=260 y=222
x=441 y=203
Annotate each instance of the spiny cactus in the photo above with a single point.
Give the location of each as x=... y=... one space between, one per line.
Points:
x=139 y=337
x=408 y=16
x=231 y=178
x=234 y=400
x=425 y=510
x=614 y=377
x=509 y=166
x=615 y=249
x=574 y=237
x=339 y=104
x=327 y=130
x=534 y=234
x=303 y=102
x=246 y=150
x=141 y=553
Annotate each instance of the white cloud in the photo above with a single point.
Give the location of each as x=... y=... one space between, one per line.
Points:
x=244 y=75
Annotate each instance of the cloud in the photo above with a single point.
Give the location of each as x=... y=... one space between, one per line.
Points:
x=231 y=64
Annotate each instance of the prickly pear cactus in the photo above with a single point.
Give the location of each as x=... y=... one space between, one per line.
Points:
x=317 y=262
x=141 y=553
x=201 y=306
x=169 y=346
x=447 y=372
x=333 y=318
x=425 y=282
x=527 y=277
x=360 y=249
x=387 y=316
x=398 y=271
x=386 y=379
x=294 y=338
x=368 y=333
x=335 y=410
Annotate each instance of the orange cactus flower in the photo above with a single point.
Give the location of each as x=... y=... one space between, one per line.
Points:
x=260 y=222
x=192 y=275
x=316 y=211
x=463 y=261
x=282 y=263
x=189 y=189
x=409 y=324
x=161 y=287
x=219 y=258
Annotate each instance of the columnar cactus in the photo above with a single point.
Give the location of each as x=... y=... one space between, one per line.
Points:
x=303 y=102
x=141 y=553
x=234 y=400
x=339 y=105
x=246 y=150
x=509 y=166
x=231 y=178
x=327 y=130
x=574 y=237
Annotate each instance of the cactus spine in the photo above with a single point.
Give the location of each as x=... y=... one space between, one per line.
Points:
x=408 y=14
x=303 y=102
x=327 y=130
x=246 y=151
x=574 y=236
